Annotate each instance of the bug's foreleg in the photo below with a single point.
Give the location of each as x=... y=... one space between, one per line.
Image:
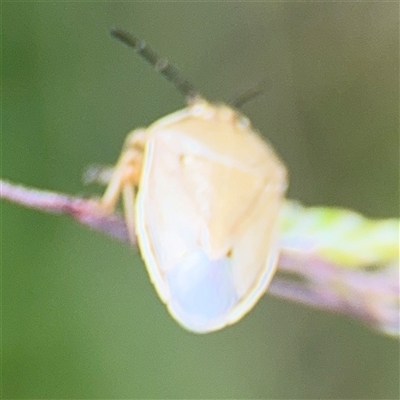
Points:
x=126 y=173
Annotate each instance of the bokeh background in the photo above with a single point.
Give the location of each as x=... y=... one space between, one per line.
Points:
x=80 y=317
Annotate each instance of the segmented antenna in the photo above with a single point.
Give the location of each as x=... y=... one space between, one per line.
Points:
x=169 y=71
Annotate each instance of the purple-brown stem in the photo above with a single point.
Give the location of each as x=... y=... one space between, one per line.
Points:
x=317 y=283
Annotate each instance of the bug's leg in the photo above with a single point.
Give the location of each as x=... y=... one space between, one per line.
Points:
x=124 y=173
x=127 y=171
x=128 y=195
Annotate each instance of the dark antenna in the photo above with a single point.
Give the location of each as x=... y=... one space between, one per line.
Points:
x=169 y=71
x=251 y=93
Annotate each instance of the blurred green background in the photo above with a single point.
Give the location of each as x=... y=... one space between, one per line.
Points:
x=80 y=317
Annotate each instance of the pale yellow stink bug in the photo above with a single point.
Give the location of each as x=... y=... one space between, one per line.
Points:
x=202 y=191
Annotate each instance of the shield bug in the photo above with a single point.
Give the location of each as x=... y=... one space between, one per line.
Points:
x=201 y=192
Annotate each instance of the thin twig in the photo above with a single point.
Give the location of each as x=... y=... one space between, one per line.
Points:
x=372 y=297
